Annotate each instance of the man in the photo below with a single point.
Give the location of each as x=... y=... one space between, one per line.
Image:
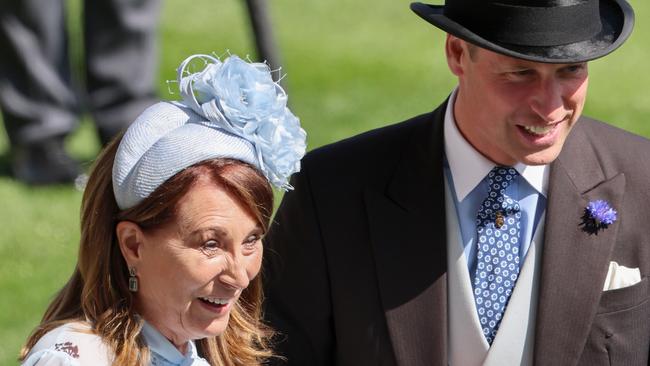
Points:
x=501 y=229
x=39 y=103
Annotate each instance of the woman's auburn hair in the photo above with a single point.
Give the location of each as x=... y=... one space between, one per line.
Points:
x=97 y=292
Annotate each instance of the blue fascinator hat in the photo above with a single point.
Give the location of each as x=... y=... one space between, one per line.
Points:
x=231 y=109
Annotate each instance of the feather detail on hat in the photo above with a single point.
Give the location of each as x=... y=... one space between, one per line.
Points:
x=242 y=98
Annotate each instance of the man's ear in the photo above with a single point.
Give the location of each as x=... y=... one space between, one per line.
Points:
x=130 y=239
x=455 y=51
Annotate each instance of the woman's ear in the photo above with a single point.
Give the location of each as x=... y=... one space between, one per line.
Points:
x=130 y=239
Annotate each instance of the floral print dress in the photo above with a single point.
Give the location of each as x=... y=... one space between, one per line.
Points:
x=75 y=344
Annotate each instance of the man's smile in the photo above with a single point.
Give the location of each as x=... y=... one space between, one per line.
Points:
x=539 y=130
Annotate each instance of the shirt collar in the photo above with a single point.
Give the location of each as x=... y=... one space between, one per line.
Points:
x=162 y=347
x=468 y=167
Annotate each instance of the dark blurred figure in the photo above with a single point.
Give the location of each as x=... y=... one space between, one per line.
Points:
x=39 y=104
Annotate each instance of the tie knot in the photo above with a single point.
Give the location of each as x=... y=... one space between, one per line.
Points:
x=500 y=177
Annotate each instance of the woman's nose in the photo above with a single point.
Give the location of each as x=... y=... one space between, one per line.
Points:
x=235 y=275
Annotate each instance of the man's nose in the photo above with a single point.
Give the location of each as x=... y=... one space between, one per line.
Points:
x=547 y=101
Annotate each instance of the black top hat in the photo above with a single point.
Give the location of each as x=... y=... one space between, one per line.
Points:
x=552 y=31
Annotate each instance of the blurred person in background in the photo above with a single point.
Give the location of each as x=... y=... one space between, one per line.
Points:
x=503 y=228
x=41 y=105
x=173 y=217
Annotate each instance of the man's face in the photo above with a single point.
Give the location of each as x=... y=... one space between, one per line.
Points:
x=513 y=110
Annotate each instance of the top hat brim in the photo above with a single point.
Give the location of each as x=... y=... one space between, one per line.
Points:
x=617 y=19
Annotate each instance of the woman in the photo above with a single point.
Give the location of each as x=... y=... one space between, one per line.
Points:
x=171 y=227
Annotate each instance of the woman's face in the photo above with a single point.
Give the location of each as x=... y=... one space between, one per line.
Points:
x=192 y=270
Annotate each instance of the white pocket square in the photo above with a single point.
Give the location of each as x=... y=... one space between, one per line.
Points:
x=620 y=276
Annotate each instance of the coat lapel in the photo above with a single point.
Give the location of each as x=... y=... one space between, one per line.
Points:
x=574 y=263
x=406 y=218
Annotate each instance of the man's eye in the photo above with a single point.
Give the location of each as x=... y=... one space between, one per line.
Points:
x=522 y=72
x=519 y=75
x=572 y=69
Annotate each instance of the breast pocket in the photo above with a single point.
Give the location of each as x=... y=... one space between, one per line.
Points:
x=620 y=334
x=624 y=298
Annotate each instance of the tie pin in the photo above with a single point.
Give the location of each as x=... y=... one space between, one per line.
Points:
x=499 y=220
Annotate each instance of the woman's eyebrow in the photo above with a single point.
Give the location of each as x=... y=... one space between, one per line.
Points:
x=256 y=230
x=216 y=230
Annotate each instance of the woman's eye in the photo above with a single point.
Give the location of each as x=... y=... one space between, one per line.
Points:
x=211 y=245
x=252 y=241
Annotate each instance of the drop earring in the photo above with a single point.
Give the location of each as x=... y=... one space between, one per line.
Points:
x=133 y=280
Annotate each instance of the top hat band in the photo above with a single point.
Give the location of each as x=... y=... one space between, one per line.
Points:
x=528 y=25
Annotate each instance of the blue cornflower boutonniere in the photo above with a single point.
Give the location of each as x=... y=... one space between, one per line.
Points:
x=598 y=215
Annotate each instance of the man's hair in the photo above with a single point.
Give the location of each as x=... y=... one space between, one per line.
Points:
x=472 y=50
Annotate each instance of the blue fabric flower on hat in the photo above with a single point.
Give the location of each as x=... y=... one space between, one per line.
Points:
x=242 y=98
x=598 y=215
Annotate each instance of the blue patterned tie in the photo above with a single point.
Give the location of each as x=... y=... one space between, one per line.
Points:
x=497 y=264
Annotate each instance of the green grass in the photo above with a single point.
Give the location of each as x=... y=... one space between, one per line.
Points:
x=351 y=66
